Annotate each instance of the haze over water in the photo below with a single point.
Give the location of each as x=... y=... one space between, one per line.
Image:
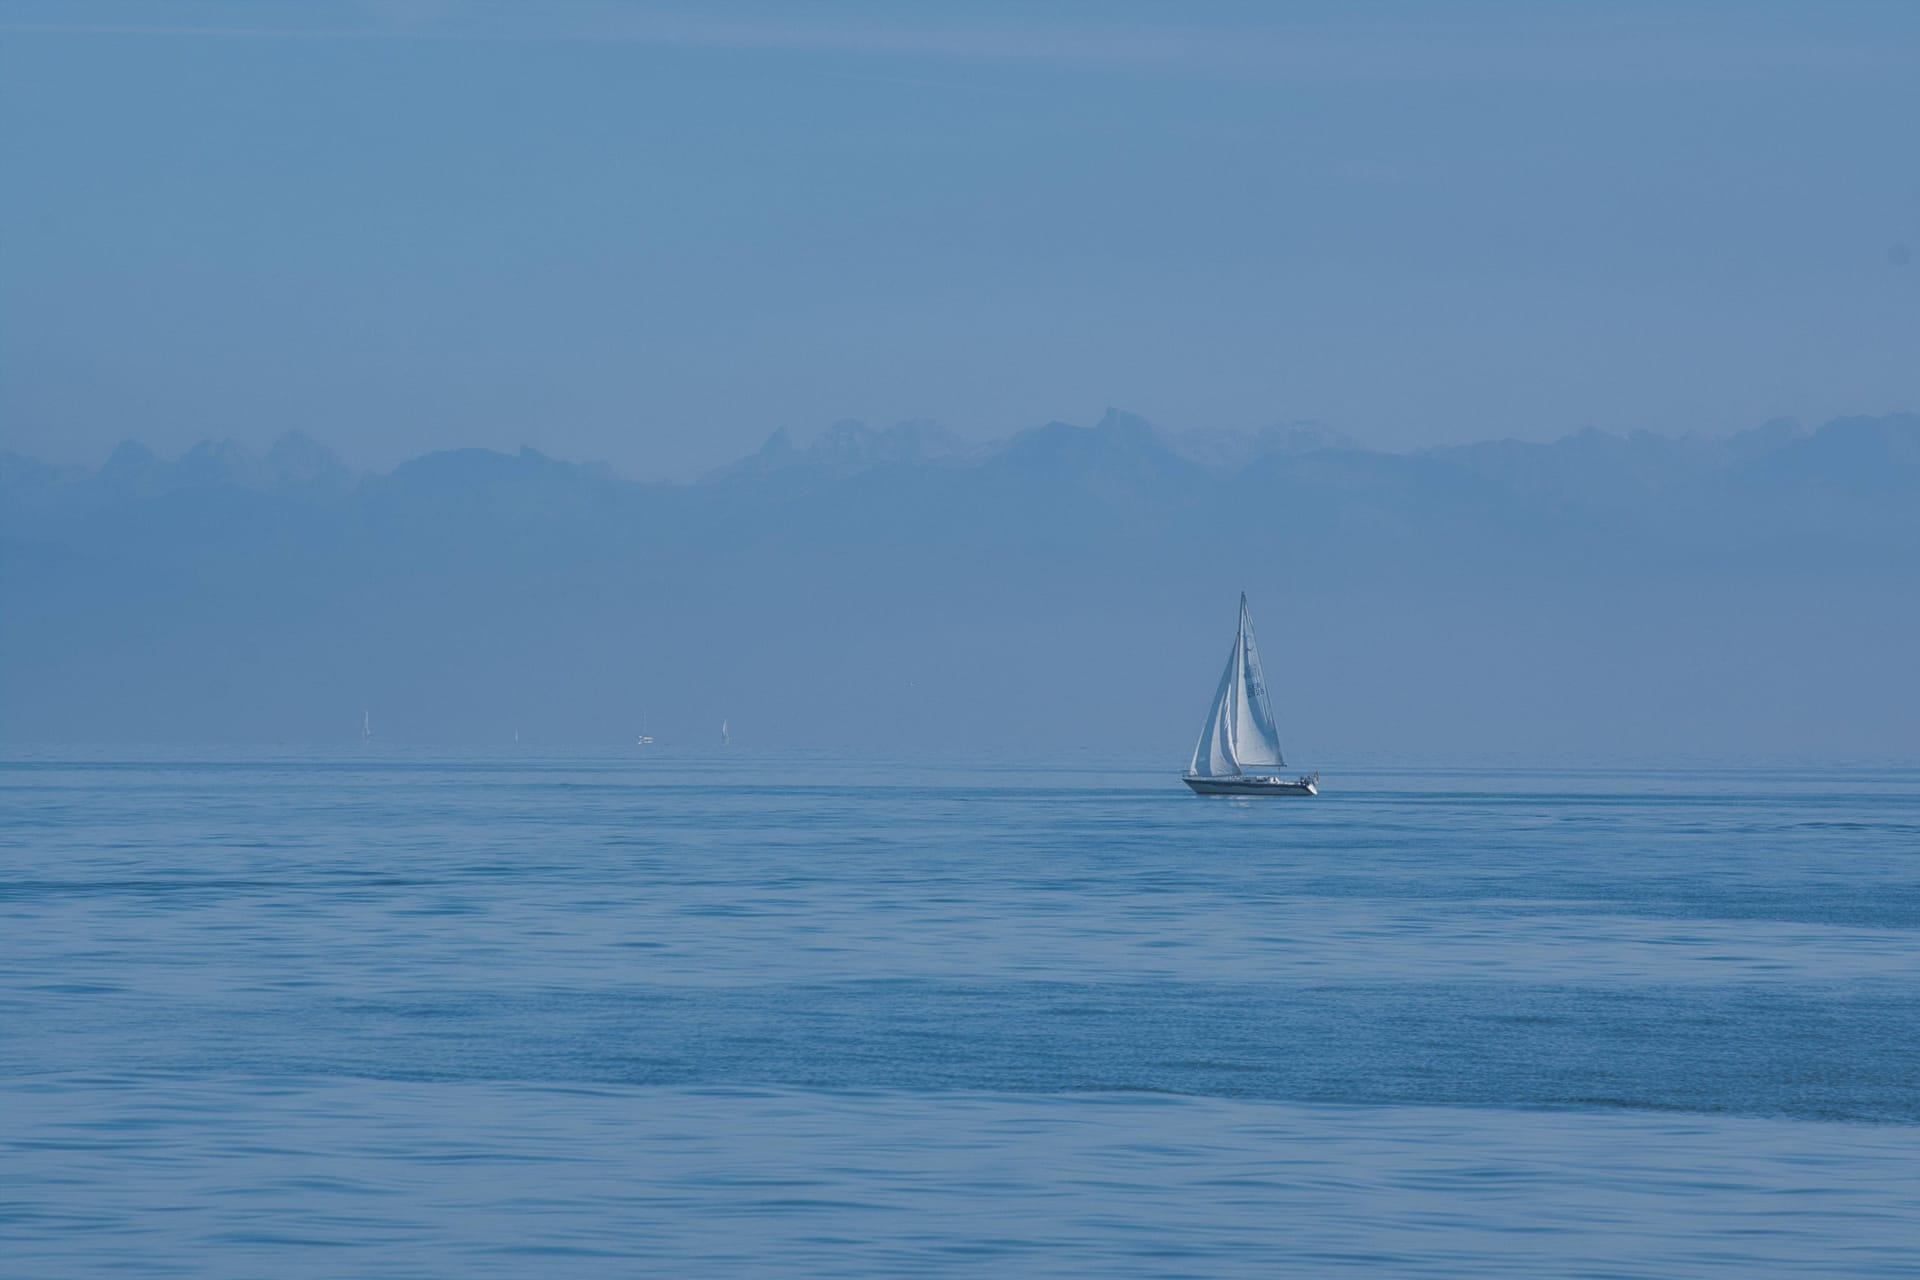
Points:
x=389 y=1013
x=895 y=383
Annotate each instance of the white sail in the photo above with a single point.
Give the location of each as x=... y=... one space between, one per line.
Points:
x=1256 y=738
x=1213 y=754
x=1239 y=729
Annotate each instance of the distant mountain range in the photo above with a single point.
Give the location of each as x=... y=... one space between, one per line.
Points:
x=1861 y=456
x=1063 y=589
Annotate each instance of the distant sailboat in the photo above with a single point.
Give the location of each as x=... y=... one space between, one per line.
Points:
x=1240 y=732
x=725 y=738
x=643 y=740
x=366 y=727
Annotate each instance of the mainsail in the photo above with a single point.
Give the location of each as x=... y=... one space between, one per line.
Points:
x=1239 y=729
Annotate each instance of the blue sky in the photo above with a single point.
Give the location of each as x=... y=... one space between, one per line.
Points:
x=652 y=234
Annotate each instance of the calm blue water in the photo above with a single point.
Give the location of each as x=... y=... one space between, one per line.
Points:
x=381 y=1014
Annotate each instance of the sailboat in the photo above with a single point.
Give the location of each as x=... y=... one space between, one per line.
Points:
x=726 y=738
x=1240 y=734
x=645 y=739
x=366 y=727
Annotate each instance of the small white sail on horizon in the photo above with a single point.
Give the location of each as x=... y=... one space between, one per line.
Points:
x=1240 y=730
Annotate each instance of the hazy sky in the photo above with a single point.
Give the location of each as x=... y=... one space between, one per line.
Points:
x=652 y=234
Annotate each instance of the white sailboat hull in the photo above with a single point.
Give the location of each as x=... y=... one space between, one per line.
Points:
x=1250 y=785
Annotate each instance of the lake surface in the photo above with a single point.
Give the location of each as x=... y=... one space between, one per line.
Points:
x=388 y=1014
